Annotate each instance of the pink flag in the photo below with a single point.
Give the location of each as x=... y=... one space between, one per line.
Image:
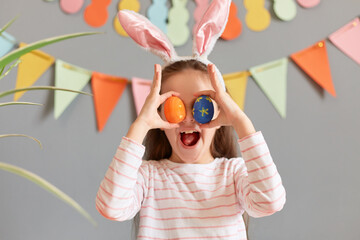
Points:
x=140 y=89
x=347 y=39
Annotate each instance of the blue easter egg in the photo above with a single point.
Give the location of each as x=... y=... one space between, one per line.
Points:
x=203 y=109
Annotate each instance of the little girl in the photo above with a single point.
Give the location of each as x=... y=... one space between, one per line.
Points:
x=192 y=185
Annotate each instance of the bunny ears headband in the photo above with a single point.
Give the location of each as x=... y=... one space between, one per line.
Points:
x=152 y=39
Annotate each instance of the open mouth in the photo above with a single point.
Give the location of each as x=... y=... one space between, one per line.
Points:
x=190 y=138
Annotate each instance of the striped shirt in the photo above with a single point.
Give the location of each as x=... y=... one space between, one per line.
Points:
x=191 y=201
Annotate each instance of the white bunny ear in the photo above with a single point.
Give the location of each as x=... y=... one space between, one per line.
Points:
x=210 y=27
x=147 y=35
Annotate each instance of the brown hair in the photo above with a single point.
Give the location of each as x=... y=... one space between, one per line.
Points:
x=157 y=145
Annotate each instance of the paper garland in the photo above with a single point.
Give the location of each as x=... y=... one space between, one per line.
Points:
x=30 y=69
x=140 y=89
x=7 y=42
x=71 y=77
x=271 y=77
x=107 y=89
x=314 y=61
x=347 y=39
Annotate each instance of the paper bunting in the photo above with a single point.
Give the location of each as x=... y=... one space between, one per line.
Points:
x=257 y=17
x=7 y=42
x=347 y=39
x=30 y=69
x=133 y=5
x=71 y=6
x=285 y=9
x=314 y=61
x=233 y=27
x=140 y=89
x=71 y=77
x=177 y=29
x=236 y=86
x=96 y=13
x=158 y=13
x=107 y=90
x=308 y=3
x=271 y=78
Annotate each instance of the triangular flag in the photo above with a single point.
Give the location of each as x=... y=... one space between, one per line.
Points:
x=141 y=89
x=7 y=42
x=107 y=90
x=347 y=39
x=271 y=77
x=314 y=62
x=236 y=86
x=30 y=69
x=71 y=77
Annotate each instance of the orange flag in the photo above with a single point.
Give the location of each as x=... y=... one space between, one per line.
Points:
x=32 y=66
x=107 y=90
x=314 y=61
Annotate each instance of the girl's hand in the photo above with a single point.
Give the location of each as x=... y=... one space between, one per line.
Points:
x=230 y=114
x=149 y=114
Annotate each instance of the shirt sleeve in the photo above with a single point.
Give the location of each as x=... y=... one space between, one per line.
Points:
x=122 y=190
x=258 y=183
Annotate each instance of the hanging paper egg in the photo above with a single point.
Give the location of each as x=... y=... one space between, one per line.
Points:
x=174 y=109
x=203 y=109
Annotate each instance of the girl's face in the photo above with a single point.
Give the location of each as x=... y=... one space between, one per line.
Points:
x=189 y=147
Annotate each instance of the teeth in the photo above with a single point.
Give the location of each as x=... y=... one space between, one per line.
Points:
x=191 y=131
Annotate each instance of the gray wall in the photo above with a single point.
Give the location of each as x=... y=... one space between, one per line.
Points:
x=315 y=148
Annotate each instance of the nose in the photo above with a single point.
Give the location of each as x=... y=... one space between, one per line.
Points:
x=189 y=115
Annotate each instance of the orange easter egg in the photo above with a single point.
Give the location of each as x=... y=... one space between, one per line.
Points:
x=174 y=109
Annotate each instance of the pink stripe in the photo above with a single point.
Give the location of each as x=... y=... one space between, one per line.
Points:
x=176 y=218
x=126 y=188
x=253 y=147
x=264 y=179
x=111 y=195
x=249 y=136
x=270 y=202
x=268 y=190
x=107 y=206
x=199 y=190
x=202 y=227
x=121 y=174
x=199 y=209
x=267 y=153
x=254 y=170
x=132 y=141
x=133 y=154
x=102 y=213
x=204 y=237
x=117 y=159
x=266 y=213
x=191 y=200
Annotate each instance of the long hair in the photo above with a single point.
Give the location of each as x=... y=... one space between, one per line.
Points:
x=158 y=147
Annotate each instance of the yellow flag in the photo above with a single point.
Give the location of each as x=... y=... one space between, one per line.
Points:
x=236 y=86
x=31 y=67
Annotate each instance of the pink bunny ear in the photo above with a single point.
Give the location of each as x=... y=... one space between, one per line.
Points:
x=210 y=27
x=146 y=34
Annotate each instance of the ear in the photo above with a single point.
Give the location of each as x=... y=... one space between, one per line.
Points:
x=146 y=34
x=210 y=27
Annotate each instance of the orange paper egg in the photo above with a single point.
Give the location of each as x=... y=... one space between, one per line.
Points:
x=174 y=109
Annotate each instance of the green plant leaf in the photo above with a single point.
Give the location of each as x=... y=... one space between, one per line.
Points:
x=11 y=67
x=21 y=135
x=19 y=103
x=8 y=25
x=48 y=187
x=3 y=94
x=8 y=58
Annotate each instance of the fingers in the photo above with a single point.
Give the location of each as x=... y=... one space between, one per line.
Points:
x=157 y=79
x=213 y=78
